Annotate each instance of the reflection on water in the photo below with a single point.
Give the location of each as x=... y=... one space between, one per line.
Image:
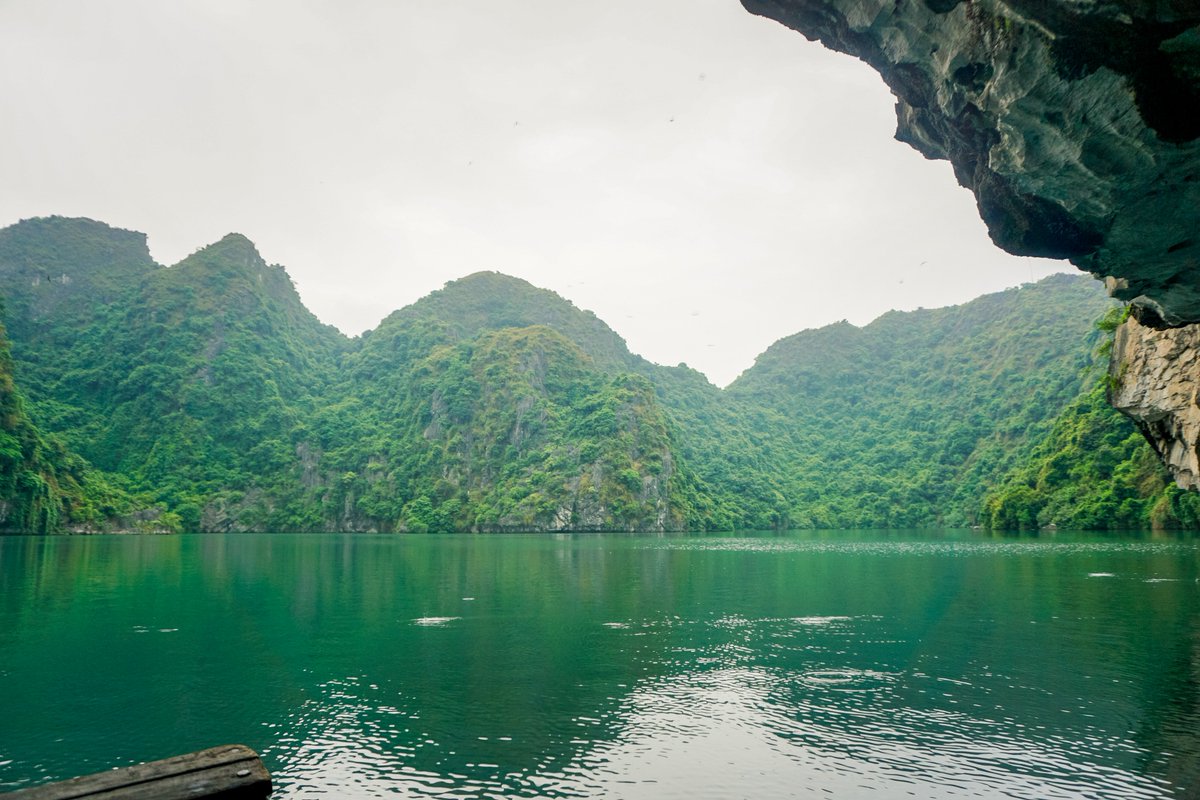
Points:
x=815 y=665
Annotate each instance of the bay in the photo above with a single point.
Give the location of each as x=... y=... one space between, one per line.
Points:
x=843 y=664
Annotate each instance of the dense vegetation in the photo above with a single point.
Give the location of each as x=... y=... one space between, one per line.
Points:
x=1091 y=471
x=204 y=396
x=42 y=484
x=908 y=421
x=30 y=494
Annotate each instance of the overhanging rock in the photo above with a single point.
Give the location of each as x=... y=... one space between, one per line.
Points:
x=1076 y=123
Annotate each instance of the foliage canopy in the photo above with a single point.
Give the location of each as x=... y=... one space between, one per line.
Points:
x=205 y=396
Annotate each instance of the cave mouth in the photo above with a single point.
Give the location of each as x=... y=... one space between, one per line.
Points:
x=1074 y=125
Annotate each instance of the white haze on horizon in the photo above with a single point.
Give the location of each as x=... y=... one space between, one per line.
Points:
x=704 y=180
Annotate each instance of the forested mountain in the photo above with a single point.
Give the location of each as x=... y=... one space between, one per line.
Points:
x=43 y=485
x=32 y=474
x=205 y=396
x=906 y=421
x=1092 y=470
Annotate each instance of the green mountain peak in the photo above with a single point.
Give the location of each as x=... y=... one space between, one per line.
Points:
x=217 y=401
x=489 y=301
x=232 y=248
x=76 y=244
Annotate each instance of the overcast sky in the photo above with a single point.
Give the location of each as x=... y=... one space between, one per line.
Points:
x=705 y=180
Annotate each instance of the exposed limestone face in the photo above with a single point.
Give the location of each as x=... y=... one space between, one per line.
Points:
x=1076 y=123
x=1155 y=377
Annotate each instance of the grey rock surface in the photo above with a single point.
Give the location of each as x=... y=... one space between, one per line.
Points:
x=1076 y=123
x=1155 y=375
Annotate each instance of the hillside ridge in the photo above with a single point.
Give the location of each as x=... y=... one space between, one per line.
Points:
x=220 y=402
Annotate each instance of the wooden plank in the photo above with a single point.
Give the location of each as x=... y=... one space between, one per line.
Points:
x=230 y=772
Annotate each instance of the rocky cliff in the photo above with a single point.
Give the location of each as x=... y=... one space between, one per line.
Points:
x=1154 y=380
x=1076 y=123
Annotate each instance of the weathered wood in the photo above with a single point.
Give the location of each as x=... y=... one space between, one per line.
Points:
x=231 y=772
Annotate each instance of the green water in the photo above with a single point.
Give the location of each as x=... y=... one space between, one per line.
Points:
x=807 y=665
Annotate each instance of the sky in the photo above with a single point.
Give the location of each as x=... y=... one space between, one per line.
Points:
x=704 y=180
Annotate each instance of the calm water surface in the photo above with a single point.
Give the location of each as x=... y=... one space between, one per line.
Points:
x=806 y=665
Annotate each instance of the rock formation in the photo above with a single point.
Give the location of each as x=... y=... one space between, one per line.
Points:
x=1155 y=376
x=1076 y=123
